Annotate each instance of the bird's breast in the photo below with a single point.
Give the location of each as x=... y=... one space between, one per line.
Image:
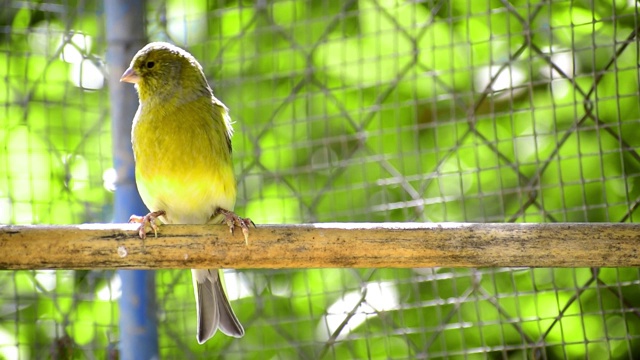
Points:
x=181 y=165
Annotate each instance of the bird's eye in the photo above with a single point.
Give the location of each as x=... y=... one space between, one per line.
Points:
x=150 y=64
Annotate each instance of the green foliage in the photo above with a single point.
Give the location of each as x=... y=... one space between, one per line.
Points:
x=368 y=110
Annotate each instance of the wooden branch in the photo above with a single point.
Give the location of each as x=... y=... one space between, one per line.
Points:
x=404 y=245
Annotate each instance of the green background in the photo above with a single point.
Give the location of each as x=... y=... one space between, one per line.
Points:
x=370 y=110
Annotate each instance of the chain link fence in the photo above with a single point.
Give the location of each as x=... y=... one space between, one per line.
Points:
x=369 y=110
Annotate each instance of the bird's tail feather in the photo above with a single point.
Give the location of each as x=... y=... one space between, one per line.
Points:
x=212 y=306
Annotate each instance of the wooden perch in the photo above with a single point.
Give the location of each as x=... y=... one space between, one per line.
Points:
x=99 y=246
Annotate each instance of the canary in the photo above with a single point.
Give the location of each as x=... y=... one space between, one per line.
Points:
x=181 y=137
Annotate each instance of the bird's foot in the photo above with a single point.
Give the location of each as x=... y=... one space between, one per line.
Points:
x=231 y=219
x=147 y=220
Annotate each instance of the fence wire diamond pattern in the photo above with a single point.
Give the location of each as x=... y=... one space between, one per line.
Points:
x=369 y=110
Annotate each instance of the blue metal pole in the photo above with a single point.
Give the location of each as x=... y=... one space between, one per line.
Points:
x=125 y=35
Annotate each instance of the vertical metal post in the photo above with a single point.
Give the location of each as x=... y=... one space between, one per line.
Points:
x=125 y=31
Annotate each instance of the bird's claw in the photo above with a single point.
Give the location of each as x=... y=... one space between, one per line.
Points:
x=147 y=220
x=231 y=219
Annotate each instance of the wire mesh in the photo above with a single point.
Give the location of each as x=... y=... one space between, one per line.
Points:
x=369 y=110
x=54 y=169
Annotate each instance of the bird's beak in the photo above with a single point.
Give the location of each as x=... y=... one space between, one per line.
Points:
x=130 y=76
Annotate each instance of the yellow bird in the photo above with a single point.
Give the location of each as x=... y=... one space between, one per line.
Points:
x=181 y=138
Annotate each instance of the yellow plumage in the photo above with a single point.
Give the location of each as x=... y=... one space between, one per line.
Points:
x=185 y=159
x=181 y=140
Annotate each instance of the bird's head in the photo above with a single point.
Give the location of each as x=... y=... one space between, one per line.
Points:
x=163 y=71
